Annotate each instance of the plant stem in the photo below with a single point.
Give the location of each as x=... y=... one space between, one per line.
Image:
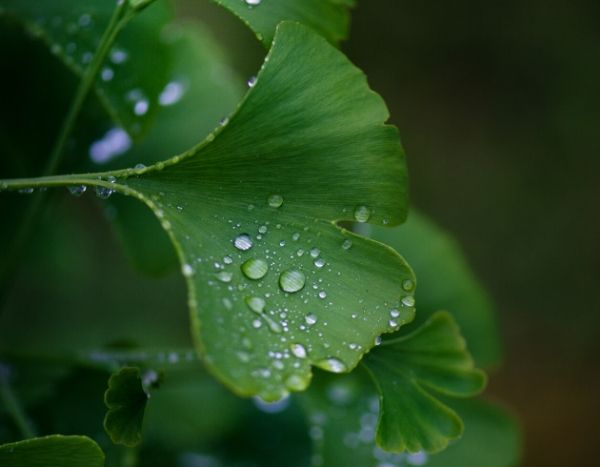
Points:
x=121 y=16
x=12 y=405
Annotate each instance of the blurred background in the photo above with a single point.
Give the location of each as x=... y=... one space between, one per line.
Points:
x=498 y=107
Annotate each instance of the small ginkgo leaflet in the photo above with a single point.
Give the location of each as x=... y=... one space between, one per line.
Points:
x=52 y=451
x=126 y=401
x=275 y=286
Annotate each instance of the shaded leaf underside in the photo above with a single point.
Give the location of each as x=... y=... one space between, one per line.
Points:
x=311 y=132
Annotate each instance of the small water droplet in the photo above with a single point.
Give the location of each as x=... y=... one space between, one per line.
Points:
x=26 y=191
x=409 y=300
x=252 y=2
x=408 y=285
x=263 y=229
x=139 y=166
x=362 y=213
x=187 y=270
x=104 y=192
x=252 y=80
x=315 y=252
x=393 y=323
x=118 y=56
x=77 y=190
x=107 y=74
x=332 y=364
x=378 y=340
x=322 y=294
x=256 y=304
x=394 y=313
x=256 y=323
x=292 y=280
x=295 y=236
x=141 y=107
x=319 y=262
x=227 y=260
x=347 y=244
x=225 y=276
x=310 y=319
x=298 y=350
x=255 y=268
x=275 y=201
x=243 y=242
x=296 y=383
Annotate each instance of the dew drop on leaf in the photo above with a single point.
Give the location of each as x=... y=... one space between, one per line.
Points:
x=77 y=190
x=408 y=285
x=252 y=2
x=255 y=268
x=347 y=244
x=310 y=319
x=187 y=270
x=104 y=192
x=256 y=304
x=296 y=383
x=332 y=364
x=409 y=300
x=275 y=201
x=319 y=262
x=322 y=294
x=298 y=350
x=292 y=280
x=225 y=276
x=315 y=252
x=362 y=213
x=251 y=81
x=243 y=242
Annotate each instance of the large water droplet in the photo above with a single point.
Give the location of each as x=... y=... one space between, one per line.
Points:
x=243 y=242
x=409 y=300
x=298 y=350
x=275 y=201
x=292 y=280
x=256 y=304
x=332 y=364
x=362 y=213
x=255 y=268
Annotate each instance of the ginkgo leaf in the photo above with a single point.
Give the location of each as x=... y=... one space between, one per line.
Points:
x=52 y=451
x=330 y=18
x=275 y=286
x=138 y=65
x=445 y=282
x=342 y=412
x=126 y=401
x=409 y=371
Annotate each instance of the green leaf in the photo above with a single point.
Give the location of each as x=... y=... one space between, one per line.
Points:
x=275 y=286
x=446 y=282
x=408 y=372
x=126 y=401
x=138 y=65
x=343 y=412
x=330 y=18
x=52 y=451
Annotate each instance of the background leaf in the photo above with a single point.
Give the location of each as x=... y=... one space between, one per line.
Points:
x=445 y=282
x=126 y=401
x=408 y=371
x=139 y=64
x=330 y=18
x=52 y=451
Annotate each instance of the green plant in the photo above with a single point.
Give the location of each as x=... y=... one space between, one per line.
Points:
x=266 y=215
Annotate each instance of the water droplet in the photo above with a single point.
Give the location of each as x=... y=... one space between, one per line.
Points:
x=118 y=56
x=255 y=268
x=225 y=276
x=141 y=107
x=187 y=270
x=296 y=383
x=347 y=244
x=263 y=229
x=104 y=192
x=393 y=323
x=26 y=191
x=243 y=242
x=408 y=285
x=252 y=2
x=362 y=213
x=394 y=313
x=332 y=364
x=409 y=300
x=139 y=166
x=252 y=80
x=292 y=281
x=298 y=350
x=256 y=323
x=315 y=252
x=378 y=340
x=319 y=262
x=310 y=319
x=275 y=201
x=256 y=304
x=322 y=294
x=77 y=190
x=227 y=260
x=296 y=236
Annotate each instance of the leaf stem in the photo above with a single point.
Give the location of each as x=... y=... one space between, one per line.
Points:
x=123 y=13
x=12 y=404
